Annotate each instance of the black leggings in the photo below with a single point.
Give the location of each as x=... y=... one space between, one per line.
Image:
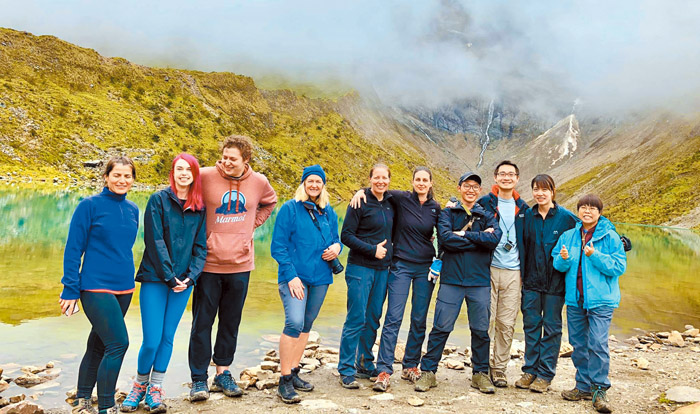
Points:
x=106 y=345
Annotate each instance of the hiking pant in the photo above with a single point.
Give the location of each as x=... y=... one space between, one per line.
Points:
x=588 y=334
x=447 y=308
x=403 y=274
x=300 y=314
x=542 y=327
x=224 y=293
x=505 y=303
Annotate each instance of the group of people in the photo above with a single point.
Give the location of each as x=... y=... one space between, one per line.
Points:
x=495 y=253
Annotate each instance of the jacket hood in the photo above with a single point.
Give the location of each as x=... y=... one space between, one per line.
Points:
x=603 y=227
x=495 y=189
x=246 y=173
x=477 y=208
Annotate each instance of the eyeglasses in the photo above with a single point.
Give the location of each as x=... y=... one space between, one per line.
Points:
x=507 y=174
x=589 y=208
x=471 y=187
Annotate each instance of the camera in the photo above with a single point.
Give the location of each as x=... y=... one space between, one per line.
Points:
x=336 y=266
x=508 y=246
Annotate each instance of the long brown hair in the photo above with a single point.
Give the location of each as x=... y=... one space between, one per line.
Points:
x=420 y=168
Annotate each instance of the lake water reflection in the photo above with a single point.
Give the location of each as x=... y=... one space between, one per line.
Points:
x=661 y=290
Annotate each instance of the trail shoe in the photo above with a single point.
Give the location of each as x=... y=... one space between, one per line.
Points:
x=482 y=382
x=410 y=374
x=426 y=381
x=576 y=395
x=111 y=410
x=132 y=400
x=600 y=400
x=349 y=382
x=382 y=383
x=499 y=378
x=525 y=381
x=225 y=383
x=83 y=406
x=300 y=384
x=154 y=400
x=199 y=391
x=286 y=390
x=540 y=385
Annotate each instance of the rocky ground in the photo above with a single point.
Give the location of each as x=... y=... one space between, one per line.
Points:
x=650 y=372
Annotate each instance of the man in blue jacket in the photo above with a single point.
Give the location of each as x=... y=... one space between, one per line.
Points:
x=506 y=281
x=468 y=234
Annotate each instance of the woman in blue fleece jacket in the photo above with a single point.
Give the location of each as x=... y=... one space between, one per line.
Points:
x=304 y=243
x=98 y=269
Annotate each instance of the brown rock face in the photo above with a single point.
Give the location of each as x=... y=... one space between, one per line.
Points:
x=23 y=407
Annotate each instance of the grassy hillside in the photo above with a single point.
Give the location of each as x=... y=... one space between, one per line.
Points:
x=61 y=105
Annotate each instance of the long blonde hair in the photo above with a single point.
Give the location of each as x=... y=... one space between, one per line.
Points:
x=323 y=198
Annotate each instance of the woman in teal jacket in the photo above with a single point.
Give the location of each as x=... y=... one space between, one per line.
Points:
x=305 y=244
x=593 y=258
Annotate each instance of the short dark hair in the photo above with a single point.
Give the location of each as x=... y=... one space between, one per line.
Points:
x=506 y=162
x=122 y=160
x=544 y=181
x=243 y=143
x=591 y=200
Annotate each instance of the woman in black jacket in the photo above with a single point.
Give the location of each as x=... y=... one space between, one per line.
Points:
x=176 y=248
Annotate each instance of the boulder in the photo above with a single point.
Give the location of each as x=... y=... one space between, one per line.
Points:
x=271 y=352
x=319 y=405
x=683 y=394
x=676 y=339
x=50 y=364
x=565 y=350
x=641 y=363
x=415 y=401
x=313 y=345
x=385 y=396
x=30 y=380
x=270 y=366
x=314 y=337
x=310 y=361
x=449 y=349
x=689 y=409
x=655 y=347
x=691 y=333
x=17 y=398
x=272 y=358
x=4 y=402
x=454 y=364
x=309 y=353
x=244 y=384
x=633 y=340
x=31 y=369
x=399 y=352
x=23 y=407
x=663 y=335
x=327 y=350
x=267 y=383
x=686 y=327
x=4 y=385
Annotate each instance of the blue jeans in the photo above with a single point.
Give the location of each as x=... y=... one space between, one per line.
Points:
x=300 y=314
x=106 y=345
x=588 y=334
x=447 y=308
x=161 y=311
x=366 y=294
x=402 y=275
x=542 y=328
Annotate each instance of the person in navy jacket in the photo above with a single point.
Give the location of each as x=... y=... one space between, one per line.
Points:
x=367 y=231
x=304 y=243
x=543 y=285
x=467 y=234
x=175 y=238
x=98 y=269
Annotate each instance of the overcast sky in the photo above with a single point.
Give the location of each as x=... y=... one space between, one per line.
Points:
x=611 y=55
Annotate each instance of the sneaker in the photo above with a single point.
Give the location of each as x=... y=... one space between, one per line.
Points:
x=382 y=383
x=83 y=406
x=286 y=390
x=132 y=400
x=576 y=395
x=300 y=384
x=482 y=382
x=499 y=378
x=199 y=391
x=410 y=374
x=600 y=400
x=225 y=383
x=154 y=400
x=525 y=381
x=367 y=373
x=426 y=381
x=111 y=410
x=540 y=385
x=349 y=382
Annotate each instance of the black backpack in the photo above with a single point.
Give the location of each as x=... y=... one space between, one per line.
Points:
x=626 y=243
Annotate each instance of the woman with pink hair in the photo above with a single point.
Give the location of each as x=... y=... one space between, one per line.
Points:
x=176 y=249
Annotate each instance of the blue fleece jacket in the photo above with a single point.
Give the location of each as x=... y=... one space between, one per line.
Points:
x=297 y=245
x=601 y=270
x=101 y=235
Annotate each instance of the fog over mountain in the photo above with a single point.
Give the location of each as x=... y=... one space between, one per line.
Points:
x=613 y=57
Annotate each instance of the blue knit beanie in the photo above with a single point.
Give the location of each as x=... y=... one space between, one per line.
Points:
x=314 y=170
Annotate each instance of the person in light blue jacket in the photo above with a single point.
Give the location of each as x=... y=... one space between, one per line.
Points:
x=305 y=243
x=593 y=258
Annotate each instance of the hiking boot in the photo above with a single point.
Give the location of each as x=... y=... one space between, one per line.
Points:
x=83 y=406
x=525 y=380
x=600 y=401
x=154 y=400
x=132 y=400
x=576 y=395
x=300 y=384
x=199 y=391
x=499 y=378
x=286 y=390
x=225 y=383
x=410 y=374
x=349 y=382
x=382 y=383
x=367 y=373
x=482 y=382
x=426 y=381
x=540 y=385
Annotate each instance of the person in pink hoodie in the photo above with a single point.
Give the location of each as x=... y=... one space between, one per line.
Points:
x=237 y=200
